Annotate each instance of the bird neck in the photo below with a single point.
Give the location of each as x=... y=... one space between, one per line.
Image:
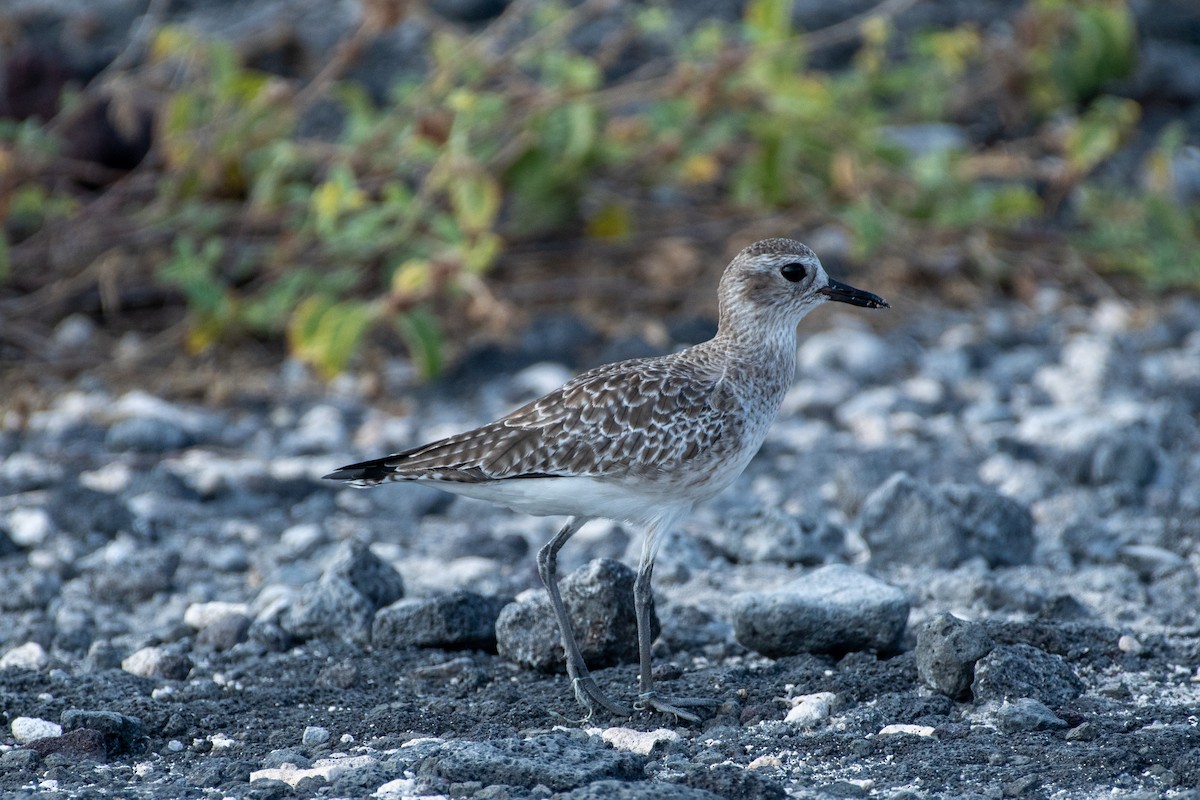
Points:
x=756 y=352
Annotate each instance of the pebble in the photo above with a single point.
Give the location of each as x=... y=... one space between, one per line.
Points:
x=342 y=604
x=146 y=435
x=957 y=522
x=29 y=527
x=30 y=655
x=555 y=760
x=832 y=609
x=640 y=742
x=768 y=533
x=896 y=729
x=947 y=649
x=810 y=710
x=457 y=619
x=1015 y=671
x=1026 y=714
x=30 y=729
x=314 y=735
x=155 y=662
x=201 y=615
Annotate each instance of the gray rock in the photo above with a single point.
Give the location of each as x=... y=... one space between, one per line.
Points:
x=83 y=743
x=1026 y=714
x=371 y=576
x=458 y=619
x=909 y=522
x=342 y=604
x=331 y=608
x=277 y=758
x=905 y=521
x=122 y=733
x=947 y=649
x=229 y=630
x=314 y=735
x=766 y=533
x=137 y=577
x=146 y=434
x=599 y=600
x=1130 y=458
x=156 y=662
x=557 y=761
x=834 y=609
x=996 y=527
x=1010 y=672
x=636 y=790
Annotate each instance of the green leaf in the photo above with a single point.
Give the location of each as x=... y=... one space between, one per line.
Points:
x=475 y=196
x=327 y=334
x=423 y=337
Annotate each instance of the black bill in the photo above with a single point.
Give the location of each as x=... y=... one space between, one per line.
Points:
x=844 y=293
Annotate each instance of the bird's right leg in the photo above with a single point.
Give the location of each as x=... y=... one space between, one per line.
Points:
x=586 y=690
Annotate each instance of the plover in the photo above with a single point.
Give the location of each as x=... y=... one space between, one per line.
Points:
x=639 y=441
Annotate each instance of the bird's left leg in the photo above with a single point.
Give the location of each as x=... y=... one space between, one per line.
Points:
x=643 y=601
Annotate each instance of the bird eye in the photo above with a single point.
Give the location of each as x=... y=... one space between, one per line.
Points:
x=794 y=272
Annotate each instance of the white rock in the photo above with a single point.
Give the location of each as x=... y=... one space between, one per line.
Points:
x=911 y=730
x=144 y=662
x=200 y=615
x=328 y=768
x=110 y=478
x=29 y=527
x=30 y=729
x=640 y=742
x=30 y=655
x=811 y=709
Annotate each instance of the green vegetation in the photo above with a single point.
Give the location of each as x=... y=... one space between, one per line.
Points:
x=396 y=222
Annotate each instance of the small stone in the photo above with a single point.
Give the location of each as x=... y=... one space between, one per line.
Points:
x=342 y=604
x=458 y=619
x=201 y=615
x=834 y=609
x=1026 y=714
x=22 y=758
x=640 y=742
x=811 y=710
x=30 y=655
x=154 y=662
x=83 y=743
x=905 y=521
x=767 y=533
x=1085 y=732
x=122 y=733
x=228 y=631
x=314 y=735
x=907 y=730
x=1129 y=644
x=29 y=526
x=1129 y=458
x=147 y=434
x=947 y=649
x=30 y=729
x=1016 y=671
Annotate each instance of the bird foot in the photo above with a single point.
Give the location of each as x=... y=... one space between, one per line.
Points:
x=675 y=707
x=589 y=696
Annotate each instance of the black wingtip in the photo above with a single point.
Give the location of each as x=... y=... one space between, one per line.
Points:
x=367 y=471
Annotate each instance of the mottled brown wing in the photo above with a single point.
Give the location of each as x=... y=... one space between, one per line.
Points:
x=630 y=418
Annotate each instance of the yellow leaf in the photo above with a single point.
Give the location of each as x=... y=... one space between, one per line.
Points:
x=700 y=168
x=612 y=222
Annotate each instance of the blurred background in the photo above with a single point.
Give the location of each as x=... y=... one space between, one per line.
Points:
x=192 y=188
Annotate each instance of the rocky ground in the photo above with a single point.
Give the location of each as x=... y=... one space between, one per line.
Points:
x=187 y=610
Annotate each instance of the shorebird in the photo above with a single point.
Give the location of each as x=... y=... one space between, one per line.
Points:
x=639 y=441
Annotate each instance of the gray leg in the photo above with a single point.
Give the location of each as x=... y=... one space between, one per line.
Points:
x=643 y=597
x=586 y=690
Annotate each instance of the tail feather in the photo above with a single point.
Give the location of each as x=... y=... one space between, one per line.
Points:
x=365 y=472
